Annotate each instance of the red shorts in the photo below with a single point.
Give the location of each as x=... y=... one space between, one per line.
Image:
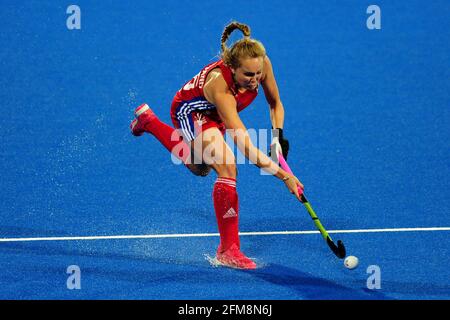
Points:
x=193 y=123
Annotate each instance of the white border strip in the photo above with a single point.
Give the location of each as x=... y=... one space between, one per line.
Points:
x=197 y=235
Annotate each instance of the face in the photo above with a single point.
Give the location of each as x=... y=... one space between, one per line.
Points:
x=249 y=73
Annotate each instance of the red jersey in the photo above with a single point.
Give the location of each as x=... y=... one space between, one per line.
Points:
x=192 y=92
x=190 y=110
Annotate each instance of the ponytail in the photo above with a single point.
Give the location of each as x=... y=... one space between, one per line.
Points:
x=229 y=29
x=243 y=48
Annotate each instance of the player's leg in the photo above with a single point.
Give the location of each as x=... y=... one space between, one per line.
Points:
x=170 y=138
x=147 y=121
x=211 y=147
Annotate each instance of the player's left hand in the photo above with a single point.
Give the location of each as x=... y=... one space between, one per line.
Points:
x=279 y=145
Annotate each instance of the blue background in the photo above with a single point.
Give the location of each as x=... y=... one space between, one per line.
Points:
x=367 y=116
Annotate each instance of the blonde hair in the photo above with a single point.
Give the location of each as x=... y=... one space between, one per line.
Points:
x=241 y=49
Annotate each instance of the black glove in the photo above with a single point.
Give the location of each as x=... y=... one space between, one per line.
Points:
x=278 y=141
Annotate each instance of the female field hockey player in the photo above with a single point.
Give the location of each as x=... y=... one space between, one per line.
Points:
x=202 y=110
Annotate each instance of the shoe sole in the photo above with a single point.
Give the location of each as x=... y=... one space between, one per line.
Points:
x=141 y=109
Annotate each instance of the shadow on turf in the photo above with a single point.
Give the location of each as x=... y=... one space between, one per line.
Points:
x=304 y=285
x=313 y=288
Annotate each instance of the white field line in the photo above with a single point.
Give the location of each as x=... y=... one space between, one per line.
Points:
x=197 y=235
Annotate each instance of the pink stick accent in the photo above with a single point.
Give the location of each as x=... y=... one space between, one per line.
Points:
x=285 y=167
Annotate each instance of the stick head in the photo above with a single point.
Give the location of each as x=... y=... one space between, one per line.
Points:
x=338 y=250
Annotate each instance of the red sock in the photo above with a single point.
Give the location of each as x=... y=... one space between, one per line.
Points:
x=226 y=205
x=169 y=138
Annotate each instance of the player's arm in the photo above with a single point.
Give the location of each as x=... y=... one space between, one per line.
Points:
x=218 y=94
x=272 y=95
x=279 y=143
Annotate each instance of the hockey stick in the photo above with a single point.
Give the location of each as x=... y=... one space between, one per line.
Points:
x=339 y=249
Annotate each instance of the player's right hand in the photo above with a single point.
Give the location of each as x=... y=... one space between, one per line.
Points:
x=295 y=186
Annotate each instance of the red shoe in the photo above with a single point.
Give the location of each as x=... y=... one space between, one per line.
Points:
x=143 y=115
x=234 y=258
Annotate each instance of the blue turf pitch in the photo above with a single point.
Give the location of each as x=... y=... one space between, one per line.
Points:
x=367 y=116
